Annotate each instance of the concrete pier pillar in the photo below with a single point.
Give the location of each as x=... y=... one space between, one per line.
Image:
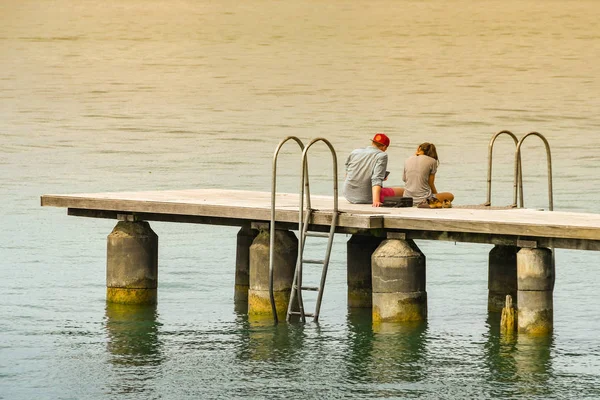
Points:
x=359 y=250
x=399 y=282
x=535 y=280
x=285 y=254
x=132 y=264
x=502 y=276
x=245 y=237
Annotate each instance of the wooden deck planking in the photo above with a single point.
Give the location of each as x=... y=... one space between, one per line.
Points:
x=564 y=229
x=224 y=204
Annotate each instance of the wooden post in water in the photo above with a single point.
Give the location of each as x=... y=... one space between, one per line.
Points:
x=502 y=276
x=132 y=264
x=359 y=250
x=286 y=253
x=399 y=282
x=535 y=274
x=245 y=237
x=507 y=321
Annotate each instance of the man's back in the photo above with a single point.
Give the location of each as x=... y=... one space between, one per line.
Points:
x=365 y=168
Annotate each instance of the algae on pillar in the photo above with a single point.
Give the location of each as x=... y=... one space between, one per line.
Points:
x=535 y=274
x=359 y=250
x=399 y=282
x=132 y=264
x=285 y=254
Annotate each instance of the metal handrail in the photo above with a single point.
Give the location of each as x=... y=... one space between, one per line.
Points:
x=272 y=224
x=302 y=228
x=549 y=162
x=518 y=171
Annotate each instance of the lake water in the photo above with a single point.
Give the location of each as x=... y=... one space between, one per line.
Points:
x=155 y=94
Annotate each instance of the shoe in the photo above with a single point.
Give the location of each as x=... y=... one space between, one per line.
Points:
x=431 y=202
x=435 y=203
x=446 y=204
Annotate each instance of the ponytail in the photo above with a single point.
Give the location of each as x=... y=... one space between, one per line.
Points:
x=429 y=150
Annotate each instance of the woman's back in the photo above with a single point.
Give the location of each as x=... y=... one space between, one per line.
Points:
x=417 y=170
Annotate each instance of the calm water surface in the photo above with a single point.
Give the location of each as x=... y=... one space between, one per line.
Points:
x=141 y=95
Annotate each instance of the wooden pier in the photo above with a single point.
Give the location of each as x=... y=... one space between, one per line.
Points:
x=520 y=264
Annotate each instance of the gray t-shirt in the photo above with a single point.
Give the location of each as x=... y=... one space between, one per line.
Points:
x=416 y=176
x=365 y=168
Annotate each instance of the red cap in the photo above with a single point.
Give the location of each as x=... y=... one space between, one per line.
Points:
x=382 y=139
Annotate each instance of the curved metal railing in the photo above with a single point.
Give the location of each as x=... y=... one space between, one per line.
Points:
x=518 y=166
x=489 y=176
x=303 y=221
x=272 y=224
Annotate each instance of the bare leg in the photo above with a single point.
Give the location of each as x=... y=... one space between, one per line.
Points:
x=444 y=196
x=398 y=191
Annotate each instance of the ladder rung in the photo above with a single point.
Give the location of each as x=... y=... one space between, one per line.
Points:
x=313 y=261
x=318 y=234
x=299 y=313
x=311 y=288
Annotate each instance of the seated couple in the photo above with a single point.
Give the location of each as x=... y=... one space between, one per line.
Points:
x=366 y=171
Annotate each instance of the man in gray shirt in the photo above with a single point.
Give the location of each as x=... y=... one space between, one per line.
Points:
x=366 y=171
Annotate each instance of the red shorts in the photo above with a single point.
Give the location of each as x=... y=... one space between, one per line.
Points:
x=386 y=192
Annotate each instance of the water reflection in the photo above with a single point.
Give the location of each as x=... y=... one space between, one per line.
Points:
x=240 y=304
x=264 y=340
x=360 y=343
x=132 y=332
x=385 y=352
x=523 y=360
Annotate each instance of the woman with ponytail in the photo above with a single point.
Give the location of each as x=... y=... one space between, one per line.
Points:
x=419 y=176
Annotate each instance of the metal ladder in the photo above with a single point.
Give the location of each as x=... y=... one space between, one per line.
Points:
x=272 y=224
x=304 y=220
x=518 y=170
x=519 y=175
x=549 y=165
